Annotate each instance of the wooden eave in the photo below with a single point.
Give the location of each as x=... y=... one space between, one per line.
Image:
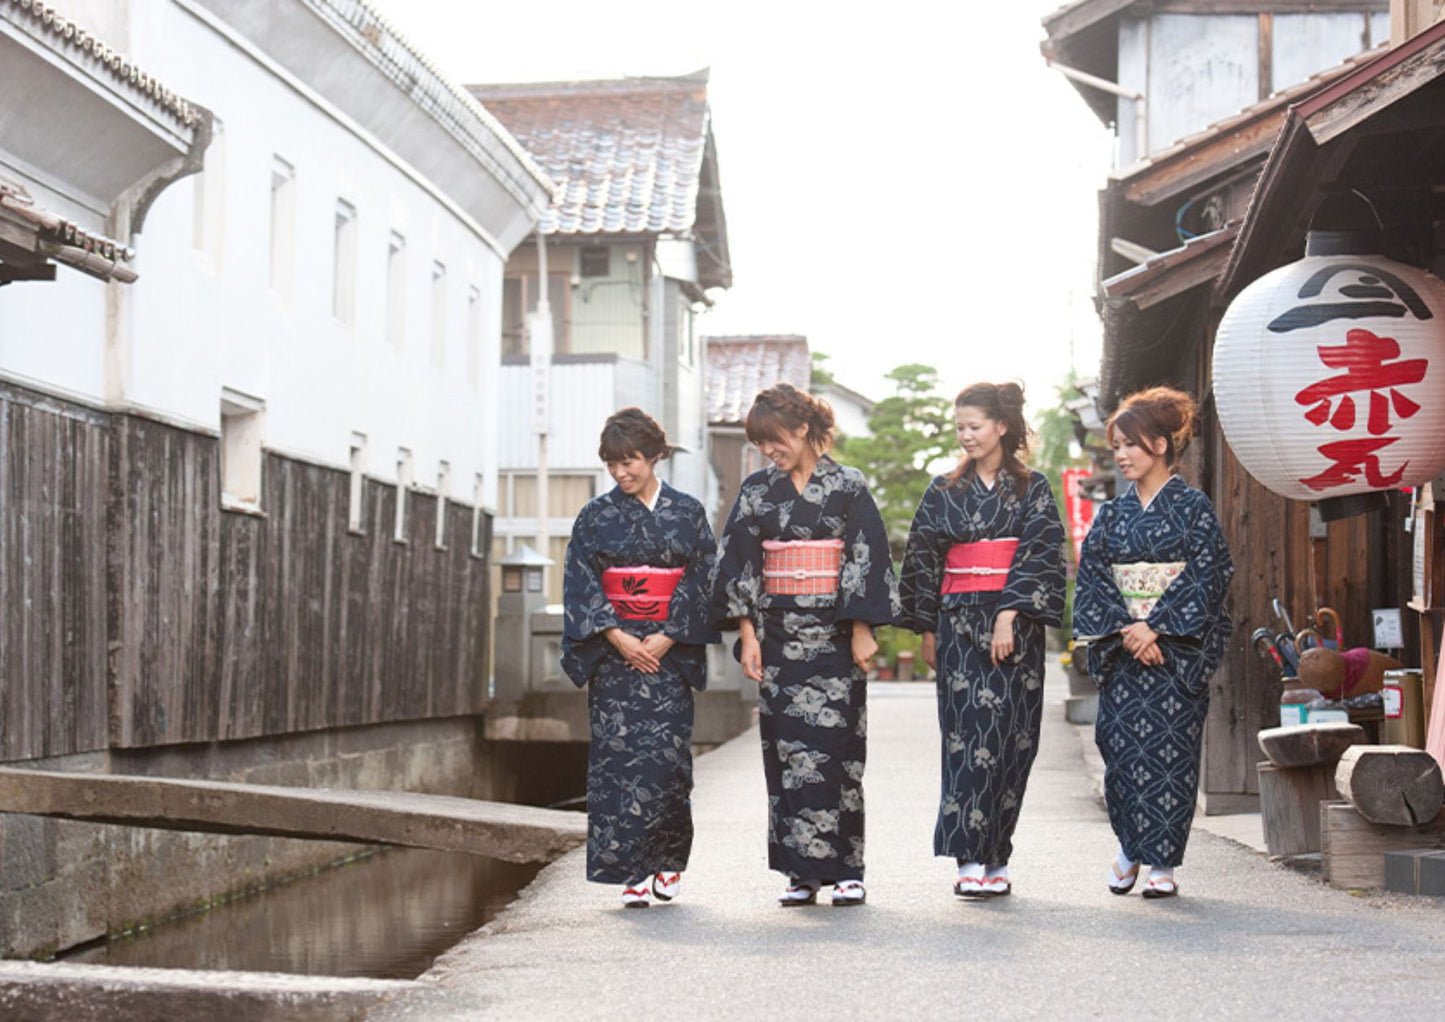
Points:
x=1198 y=261
x=1319 y=137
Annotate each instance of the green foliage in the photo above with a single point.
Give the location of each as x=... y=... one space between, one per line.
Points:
x=821 y=375
x=911 y=430
x=1054 y=453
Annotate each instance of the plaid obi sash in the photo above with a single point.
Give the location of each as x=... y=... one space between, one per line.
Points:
x=640 y=593
x=980 y=567
x=1143 y=582
x=802 y=567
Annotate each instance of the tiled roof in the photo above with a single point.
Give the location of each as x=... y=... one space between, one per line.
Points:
x=739 y=367
x=627 y=155
x=59 y=239
x=65 y=35
x=413 y=72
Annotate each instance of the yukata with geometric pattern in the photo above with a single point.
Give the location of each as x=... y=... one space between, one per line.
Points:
x=812 y=705
x=989 y=716
x=1150 y=726
x=639 y=763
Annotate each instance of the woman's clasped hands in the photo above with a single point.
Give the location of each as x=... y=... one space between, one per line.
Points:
x=1143 y=643
x=643 y=655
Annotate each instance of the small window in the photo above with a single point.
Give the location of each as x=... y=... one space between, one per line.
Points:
x=283 y=226
x=478 y=515
x=438 y=315
x=396 y=290
x=596 y=261
x=403 y=483
x=343 y=263
x=444 y=485
x=474 y=339
x=356 y=508
x=242 y=422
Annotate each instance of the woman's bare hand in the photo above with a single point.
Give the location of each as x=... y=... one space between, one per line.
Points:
x=633 y=651
x=930 y=650
x=1002 y=646
x=865 y=646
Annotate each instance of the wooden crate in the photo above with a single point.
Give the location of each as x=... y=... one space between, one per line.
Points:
x=1354 y=848
x=1289 y=804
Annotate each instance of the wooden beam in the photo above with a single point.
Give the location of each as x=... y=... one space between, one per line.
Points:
x=498 y=830
x=1073 y=20
x=1270 y=6
x=1373 y=96
x=1266 y=55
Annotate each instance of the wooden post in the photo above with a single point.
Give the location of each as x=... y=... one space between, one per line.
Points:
x=1289 y=802
x=1411 y=17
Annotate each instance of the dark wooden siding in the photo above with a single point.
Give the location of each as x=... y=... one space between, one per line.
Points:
x=140 y=613
x=52 y=576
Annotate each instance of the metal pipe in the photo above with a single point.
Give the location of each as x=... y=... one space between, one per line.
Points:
x=542 y=346
x=1141 y=107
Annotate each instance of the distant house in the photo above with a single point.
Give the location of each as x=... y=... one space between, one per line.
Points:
x=851 y=410
x=737 y=368
x=636 y=244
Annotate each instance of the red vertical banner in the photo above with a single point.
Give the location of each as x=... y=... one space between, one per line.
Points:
x=1078 y=511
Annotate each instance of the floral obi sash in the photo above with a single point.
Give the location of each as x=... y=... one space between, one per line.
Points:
x=802 y=567
x=1143 y=582
x=980 y=567
x=640 y=593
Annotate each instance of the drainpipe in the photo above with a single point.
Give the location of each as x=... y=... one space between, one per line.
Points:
x=1141 y=108
x=539 y=331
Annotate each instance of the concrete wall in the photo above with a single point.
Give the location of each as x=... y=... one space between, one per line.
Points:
x=64 y=883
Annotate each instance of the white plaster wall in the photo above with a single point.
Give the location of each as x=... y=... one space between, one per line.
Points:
x=1202 y=68
x=1307 y=43
x=52 y=336
x=199 y=324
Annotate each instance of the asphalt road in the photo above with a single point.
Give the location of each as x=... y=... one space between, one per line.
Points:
x=1246 y=938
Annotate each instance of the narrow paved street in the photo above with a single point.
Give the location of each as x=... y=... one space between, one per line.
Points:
x=1248 y=939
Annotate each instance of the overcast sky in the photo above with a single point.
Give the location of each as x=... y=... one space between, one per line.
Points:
x=904 y=182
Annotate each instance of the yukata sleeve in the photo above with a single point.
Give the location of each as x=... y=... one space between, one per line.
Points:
x=1035 y=583
x=688 y=611
x=1099 y=608
x=738 y=579
x=921 y=578
x=587 y=612
x=867 y=586
x=1190 y=607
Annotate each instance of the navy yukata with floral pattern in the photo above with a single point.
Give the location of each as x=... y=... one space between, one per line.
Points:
x=989 y=716
x=639 y=765
x=812 y=699
x=1150 y=727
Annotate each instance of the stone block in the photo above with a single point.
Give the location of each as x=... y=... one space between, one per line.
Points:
x=1415 y=871
x=27 y=850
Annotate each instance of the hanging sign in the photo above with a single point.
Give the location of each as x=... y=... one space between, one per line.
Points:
x=1329 y=376
x=1078 y=510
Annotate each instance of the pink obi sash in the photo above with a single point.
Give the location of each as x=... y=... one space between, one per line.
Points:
x=640 y=593
x=980 y=567
x=802 y=567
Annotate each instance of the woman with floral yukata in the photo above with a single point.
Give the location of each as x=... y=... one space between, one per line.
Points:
x=1149 y=600
x=636 y=601
x=804 y=575
x=983 y=574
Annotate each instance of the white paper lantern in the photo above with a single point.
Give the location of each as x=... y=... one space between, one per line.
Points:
x=1329 y=376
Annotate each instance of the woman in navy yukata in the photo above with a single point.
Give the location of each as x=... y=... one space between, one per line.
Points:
x=1149 y=599
x=636 y=602
x=983 y=574
x=804 y=574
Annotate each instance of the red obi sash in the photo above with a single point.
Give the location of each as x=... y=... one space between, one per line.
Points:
x=980 y=567
x=640 y=593
x=802 y=567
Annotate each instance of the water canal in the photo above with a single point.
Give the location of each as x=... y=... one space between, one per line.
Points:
x=386 y=914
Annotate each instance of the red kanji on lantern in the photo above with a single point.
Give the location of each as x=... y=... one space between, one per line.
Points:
x=1365 y=359
x=1353 y=458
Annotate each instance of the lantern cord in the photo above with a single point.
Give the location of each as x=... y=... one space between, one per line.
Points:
x=1373 y=211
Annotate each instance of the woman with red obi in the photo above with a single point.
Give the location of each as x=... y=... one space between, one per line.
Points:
x=636 y=601
x=804 y=574
x=983 y=573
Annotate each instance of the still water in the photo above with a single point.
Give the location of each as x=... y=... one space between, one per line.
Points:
x=386 y=915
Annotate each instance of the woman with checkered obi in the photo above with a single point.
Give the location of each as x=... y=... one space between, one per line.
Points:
x=804 y=574
x=1149 y=600
x=983 y=574
x=635 y=596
